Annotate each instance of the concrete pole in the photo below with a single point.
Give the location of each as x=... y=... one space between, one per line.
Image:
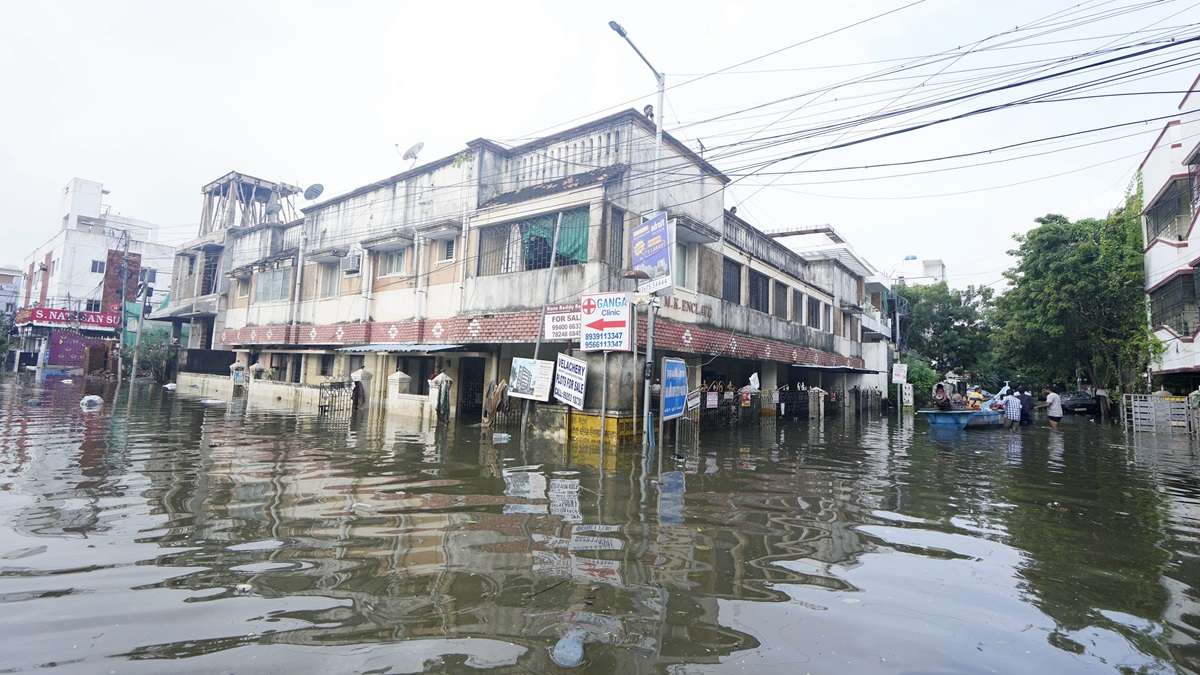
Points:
x=603 y=408
x=137 y=342
x=123 y=276
x=647 y=375
x=537 y=346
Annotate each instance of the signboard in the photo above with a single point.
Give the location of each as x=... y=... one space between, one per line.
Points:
x=908 y=396
x=651 y=242
x=899 y=373
x=674 y=388
x=693 y=400
x=46 y=316
x=712 y=400
x=570 y=379
x=530 y=379
x=606 y=322
x=562 y=323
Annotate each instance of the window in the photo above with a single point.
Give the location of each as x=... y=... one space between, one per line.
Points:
x=680 y=264
x=243 y=288
x=391 y=263
x=148 y=275
x=731 y=287
x=814 y=313
x=525 y=245
x=447 y=250
x=273 y=285
x=92 y=306
x=780 y=307
x=328 y=280
x=760 y=291
x=797 y=306
x=828 y=318
x=1174 y=305
x=191 y=265
x=326 y=365
x=616 y=238
x=97 y=267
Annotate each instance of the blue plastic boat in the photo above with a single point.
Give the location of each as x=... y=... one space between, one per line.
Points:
x=953 y=419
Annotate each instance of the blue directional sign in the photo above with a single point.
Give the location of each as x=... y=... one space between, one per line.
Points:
x=674 y=388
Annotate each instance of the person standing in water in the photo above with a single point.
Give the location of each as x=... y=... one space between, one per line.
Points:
x=1054 y=409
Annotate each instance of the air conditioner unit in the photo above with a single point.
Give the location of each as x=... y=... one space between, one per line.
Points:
x=352 y=263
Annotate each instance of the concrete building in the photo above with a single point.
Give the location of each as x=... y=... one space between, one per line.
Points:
x=73 y=280
x=11 y=279
x=446 y=267
x=914 y=272
x=1171 y=190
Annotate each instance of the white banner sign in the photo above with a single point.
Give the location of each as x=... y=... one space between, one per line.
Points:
x=606 y=322
x=530 y=379
x=570 y=381
x=899 y=373
x=908 y=396
x=562 y=323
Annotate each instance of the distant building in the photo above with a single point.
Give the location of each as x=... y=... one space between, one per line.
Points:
x=920 y=272
x=73 y=281
x=1171 y=189
x=10 y=290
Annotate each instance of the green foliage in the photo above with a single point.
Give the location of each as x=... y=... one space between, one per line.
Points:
x=154 y=353
x=948 y=326
x=922 y=377
x=1077 y=300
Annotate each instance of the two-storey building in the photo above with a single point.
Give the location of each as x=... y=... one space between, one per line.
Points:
x=446 y=267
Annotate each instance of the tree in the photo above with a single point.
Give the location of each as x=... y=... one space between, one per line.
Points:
x=1077 y=301
x=922 y=378
x=948 y=326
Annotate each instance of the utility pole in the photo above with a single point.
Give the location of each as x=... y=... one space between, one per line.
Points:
x=656 y=196
x=123 y=275
x=137 y=342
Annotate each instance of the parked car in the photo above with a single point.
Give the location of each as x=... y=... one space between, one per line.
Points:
x=1080 y=402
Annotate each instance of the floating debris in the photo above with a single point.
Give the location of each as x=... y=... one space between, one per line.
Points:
x=91 y=402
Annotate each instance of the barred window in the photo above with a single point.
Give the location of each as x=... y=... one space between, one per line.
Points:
x=731 y=288
x=525 y=245
x=1174 y=305
x=781 y=300
x=797 y=306
x=616 y=238
x=760 y=291
x=328 y=280
x=814 y=313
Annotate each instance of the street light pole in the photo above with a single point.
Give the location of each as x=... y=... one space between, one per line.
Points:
x=661 y=79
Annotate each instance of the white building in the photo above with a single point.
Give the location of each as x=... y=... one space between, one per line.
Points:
x=1171 y=203
x=68 y=271
x=10 y=289
x=914 y=272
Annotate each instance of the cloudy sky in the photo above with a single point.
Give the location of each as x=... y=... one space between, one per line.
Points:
x=155 y=99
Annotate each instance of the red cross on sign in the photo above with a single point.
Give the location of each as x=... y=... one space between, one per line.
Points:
x=589 y=306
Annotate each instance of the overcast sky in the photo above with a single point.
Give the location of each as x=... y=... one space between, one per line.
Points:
x=155 y=99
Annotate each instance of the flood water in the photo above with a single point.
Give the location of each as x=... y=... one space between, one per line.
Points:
x=169 y=535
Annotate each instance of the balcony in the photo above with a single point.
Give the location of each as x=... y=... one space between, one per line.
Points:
x=875 y=327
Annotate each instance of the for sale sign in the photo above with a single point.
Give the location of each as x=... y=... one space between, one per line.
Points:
x=562 y=323
x=606 y=322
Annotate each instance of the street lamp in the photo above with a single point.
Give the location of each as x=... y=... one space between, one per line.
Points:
x=661 y=79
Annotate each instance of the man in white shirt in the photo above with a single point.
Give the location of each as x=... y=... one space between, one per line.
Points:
x=1054 y=409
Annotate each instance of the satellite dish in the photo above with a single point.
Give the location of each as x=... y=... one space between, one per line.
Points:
x=313 y=191
x=412 y=152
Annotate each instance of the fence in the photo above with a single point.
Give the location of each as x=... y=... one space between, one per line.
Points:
x=337 y=398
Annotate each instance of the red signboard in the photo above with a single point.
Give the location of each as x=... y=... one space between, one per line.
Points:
x=46 y=316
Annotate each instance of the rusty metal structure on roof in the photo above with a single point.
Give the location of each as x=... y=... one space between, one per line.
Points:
x=238 y=200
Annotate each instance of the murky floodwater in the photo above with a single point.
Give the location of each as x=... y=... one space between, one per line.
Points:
x=202 y=537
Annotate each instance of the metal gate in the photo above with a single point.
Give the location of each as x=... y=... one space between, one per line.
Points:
x=1165 y=414
x=337 y=398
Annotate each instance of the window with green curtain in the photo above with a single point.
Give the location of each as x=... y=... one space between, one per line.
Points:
x=525 y=245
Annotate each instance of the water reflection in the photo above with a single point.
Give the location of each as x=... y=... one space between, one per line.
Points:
x=188 y=536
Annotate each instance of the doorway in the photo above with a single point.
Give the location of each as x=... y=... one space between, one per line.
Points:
x=470 y=397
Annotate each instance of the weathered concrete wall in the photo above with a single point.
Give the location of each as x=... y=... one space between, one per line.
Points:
x=204 y=386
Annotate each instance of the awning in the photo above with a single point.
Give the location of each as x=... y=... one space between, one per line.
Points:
x=837 y=369
x=397 y=347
